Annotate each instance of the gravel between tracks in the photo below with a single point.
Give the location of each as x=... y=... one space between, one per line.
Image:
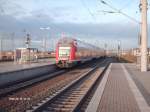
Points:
x=28 y=97
x=24 y=99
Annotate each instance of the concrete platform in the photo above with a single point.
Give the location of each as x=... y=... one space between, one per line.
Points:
x=123 y=89
x=11 y=72
x=141 y=79
x=11 y=66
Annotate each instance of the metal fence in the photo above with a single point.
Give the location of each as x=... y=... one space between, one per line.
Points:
x=9 y=42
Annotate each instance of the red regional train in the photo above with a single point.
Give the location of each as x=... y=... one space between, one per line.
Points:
x=70 y=51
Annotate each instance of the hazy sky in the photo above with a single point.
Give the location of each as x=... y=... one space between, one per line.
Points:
x=82 y=19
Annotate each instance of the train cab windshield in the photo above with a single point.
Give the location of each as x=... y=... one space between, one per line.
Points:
x=64 y=51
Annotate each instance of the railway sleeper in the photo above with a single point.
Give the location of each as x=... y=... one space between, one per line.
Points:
x=76 y=95
x=56 y=109
x=73 y=100
x=68 y=106
x=62 y=103
x=76 y=92
x=69 y=103
x=56 y=105
x=67 y=98
x=64 y=110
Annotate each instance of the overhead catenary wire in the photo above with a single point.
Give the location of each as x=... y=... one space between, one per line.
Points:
x=88 y=9
x=127 y=4
x=119 y=11
x=148 y=4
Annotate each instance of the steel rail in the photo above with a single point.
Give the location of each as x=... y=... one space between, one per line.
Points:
x=6 y=91
x=79 y=81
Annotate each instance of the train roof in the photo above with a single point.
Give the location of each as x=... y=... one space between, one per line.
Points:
x=68 y=40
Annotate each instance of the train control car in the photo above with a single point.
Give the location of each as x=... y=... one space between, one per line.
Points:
x=70 y=51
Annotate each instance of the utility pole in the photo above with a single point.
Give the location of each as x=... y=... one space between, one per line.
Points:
x=12 y=39
x=28 y=41
x=144 y=36
x=1 y=48
x=44 y=45
x=119 y=48
x=105 y=49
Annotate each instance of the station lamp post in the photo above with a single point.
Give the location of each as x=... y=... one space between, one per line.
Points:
x=105 y=46
x=1 y=48
x=28 y=41
x=44 y=40
x=119 y=49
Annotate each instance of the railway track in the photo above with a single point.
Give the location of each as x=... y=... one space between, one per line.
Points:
x=22 y=84
x=73 y=95
x=44 y=89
